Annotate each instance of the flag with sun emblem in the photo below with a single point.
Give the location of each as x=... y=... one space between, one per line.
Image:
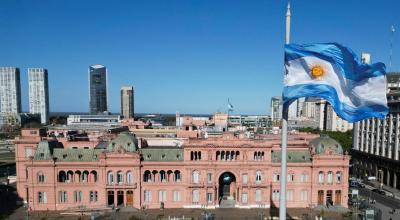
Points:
x=331 y=71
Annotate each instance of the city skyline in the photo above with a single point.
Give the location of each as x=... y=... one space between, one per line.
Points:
x=168 y=49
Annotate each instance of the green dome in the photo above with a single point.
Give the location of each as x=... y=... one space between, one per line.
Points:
x=324 y=143
x=125 y=140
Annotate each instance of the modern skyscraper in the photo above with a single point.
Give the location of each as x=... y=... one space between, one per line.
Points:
x=276 y=108
x=127 y=102
x=10 y=90
x=97 y=89
x=39 y=93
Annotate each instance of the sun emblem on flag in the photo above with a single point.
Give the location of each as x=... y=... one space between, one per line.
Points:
x=317 y=71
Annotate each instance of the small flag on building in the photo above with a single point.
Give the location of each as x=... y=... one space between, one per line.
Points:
x=333 y=72
x=230 y=106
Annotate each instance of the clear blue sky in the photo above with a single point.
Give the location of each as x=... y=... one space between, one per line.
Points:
x=181 y=55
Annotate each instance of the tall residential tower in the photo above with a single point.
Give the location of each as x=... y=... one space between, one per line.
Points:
x=97 y=89
x=39 y=93
x=10 y=90
x=127 y=101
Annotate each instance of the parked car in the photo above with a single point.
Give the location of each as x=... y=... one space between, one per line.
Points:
x=379 y=191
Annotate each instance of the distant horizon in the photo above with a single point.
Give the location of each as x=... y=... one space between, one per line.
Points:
x=186 y=56
x=151 y=113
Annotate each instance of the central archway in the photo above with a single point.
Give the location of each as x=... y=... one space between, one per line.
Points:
x=227 y=187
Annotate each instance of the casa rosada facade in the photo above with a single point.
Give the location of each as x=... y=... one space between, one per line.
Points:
x=56 y=174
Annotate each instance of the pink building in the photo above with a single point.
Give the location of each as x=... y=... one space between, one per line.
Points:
x=214 y=172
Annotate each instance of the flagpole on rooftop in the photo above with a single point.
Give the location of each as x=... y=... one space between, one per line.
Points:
x=392 y=30
x=282 y=195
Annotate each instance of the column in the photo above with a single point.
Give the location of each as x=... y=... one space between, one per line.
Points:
x=378 y=144
x=390 y=147
x=115 y=198
x=387 y=177
x=356 y=145
x=396 y=145
x=394 y=179
x=362 y=136
x=367 y=139
x=384 y=144
x=372 y=132
x=125 y=198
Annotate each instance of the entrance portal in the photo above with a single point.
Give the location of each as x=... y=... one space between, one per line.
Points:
x=320 y=197
x=329 y=199
x=227 y=187
x=110 y=200
x=129 y=198
x=120 y=198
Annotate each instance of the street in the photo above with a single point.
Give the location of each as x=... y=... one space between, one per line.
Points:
x=384 y=203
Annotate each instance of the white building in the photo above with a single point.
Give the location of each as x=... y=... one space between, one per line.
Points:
x=328 y=120
x=10 y=90
x=39 y=93
x=94 y=120
x=379 y=140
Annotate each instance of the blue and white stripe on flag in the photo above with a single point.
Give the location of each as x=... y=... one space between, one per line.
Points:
x=331 y=71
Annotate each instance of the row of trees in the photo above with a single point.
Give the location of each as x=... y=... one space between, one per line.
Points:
x=344 y=138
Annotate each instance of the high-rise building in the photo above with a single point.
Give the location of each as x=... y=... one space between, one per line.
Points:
x=39 y=93
x=97 y=89
x=376 y=150
x=276 y=108
x=328 y=120
x=365 y=58
x=127 y=102
x=10 y=90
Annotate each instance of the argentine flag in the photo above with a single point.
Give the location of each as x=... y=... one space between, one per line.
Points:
x=331 y=71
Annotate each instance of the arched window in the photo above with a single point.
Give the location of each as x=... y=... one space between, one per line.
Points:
x=177 y=176
x=70 y=176
x=338 y=177
x=191 y=155
x=62 y=177
x=40 y=177
x=85 y=176
x=120 y=177
x=237 y=155
x=321 y=177
x=222 y=155
x=304 y=177
x=163 y=177
x=258 y=176
x=199 y=155
x=129 y=178
x=195 y=176
x=290 y=177
x=217 y=155
x=330 y=177
x=110 y=178
x=147 y=176
x=93 y=174
x=78 y=175
x=232 y=155
x=255 y=156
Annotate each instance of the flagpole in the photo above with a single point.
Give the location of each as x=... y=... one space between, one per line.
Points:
x=282 y=195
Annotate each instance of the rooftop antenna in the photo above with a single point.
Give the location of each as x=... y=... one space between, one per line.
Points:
x=392 y=30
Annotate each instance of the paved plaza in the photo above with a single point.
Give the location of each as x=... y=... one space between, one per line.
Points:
x=192 y=214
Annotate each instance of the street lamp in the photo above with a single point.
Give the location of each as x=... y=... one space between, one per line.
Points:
x=26 y=205
x=380 y=176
